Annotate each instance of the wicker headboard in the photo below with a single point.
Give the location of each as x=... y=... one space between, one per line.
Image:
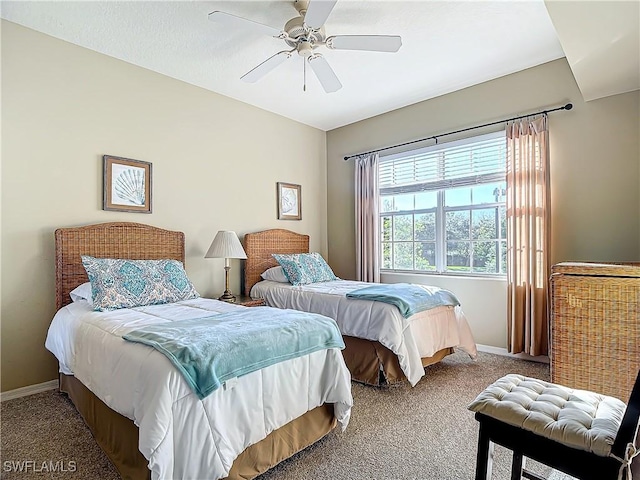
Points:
x=260 y=245
x=109 y=240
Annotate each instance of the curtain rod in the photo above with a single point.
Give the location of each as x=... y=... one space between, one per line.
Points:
x=568 y=106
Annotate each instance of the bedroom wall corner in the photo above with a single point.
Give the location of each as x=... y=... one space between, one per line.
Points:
x=215 y=161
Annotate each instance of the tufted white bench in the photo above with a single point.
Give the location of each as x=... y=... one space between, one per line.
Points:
x=582 y=433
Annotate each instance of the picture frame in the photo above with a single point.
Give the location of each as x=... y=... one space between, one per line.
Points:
x=126 y=185
x=289 y=201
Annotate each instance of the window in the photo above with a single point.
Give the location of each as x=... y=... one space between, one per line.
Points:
x=442 y=208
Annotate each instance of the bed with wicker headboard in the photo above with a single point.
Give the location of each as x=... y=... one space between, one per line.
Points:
x=368 y=361
x=116 y=434
x=135 y=241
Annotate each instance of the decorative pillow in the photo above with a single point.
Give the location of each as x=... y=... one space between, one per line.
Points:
x=275 y=274
x=121 y=283
x=305 y=268
x=82 y=292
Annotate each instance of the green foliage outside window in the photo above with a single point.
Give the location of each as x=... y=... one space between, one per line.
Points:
x=474 y=239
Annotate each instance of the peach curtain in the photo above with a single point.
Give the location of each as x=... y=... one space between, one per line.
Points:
x=367 y=219
x=528 y=235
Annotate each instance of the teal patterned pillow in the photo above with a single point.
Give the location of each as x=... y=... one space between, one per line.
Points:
x=305 y=268
x=120 y=283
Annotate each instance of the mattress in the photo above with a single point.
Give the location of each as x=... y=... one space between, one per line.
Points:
x=411 y=339
x=180 y=435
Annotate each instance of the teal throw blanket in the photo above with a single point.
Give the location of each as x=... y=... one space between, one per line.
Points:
x=409 y=298
x=209 y=351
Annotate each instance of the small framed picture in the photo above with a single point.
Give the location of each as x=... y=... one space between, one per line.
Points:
x=289 y=201
x=127 y=185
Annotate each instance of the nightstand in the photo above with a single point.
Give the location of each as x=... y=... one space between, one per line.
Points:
x=248 y=301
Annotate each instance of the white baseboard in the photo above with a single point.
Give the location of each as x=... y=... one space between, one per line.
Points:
x=30 y=390
x=504 y=352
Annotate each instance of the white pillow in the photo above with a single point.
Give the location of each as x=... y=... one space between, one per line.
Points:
x=82 y=292
x=275 y=274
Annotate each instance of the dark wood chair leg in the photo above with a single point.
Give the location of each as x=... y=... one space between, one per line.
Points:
x=484 y=461
x=516 y=466
x=532 y=476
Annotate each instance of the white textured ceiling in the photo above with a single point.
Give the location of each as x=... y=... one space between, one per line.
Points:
x=447 y=45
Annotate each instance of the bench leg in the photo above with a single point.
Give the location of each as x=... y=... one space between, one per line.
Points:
x=484 y=460
x=518 y=472
x=516 y=466
x=532 y=476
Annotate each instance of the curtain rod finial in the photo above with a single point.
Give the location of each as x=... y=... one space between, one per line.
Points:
x=568 y=106
x=346 y=158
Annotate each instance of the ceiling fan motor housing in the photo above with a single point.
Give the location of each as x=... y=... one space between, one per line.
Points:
x=297 y=33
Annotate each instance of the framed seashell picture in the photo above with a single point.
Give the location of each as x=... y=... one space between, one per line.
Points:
x=127 y=185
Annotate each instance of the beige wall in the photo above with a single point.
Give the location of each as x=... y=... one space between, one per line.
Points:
x=595 y=167
x=215 y=160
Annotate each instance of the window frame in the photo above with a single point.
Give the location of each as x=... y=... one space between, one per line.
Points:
x=441 y=211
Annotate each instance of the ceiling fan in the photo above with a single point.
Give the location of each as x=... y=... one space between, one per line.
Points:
x=305 y=34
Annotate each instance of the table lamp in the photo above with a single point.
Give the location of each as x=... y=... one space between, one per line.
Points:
x=226 y=245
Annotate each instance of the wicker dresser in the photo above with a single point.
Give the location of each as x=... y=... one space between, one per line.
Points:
x=595 y=326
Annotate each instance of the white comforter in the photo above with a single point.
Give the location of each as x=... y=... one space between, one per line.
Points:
x=181 y=436
x=420 y=335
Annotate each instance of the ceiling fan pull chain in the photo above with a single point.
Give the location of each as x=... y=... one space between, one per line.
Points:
x=304 y=74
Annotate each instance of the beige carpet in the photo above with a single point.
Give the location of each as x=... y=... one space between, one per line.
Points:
x=423 y=433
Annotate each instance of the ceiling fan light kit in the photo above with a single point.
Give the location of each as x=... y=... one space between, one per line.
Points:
x=305 y=34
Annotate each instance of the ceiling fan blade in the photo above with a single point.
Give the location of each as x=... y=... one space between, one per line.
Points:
x=234 y=21
x=265 y=67
x=325 y=73
x=374 y=43
x=317 y=12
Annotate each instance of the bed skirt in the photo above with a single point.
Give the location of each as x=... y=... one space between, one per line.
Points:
x=364 y=358
x=118 y=436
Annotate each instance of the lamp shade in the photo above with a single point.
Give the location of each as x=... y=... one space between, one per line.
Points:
x=225 y=245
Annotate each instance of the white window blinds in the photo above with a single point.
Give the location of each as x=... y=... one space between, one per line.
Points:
x=453 y=164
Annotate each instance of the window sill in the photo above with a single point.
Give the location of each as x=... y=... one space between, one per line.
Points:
x=501 y=278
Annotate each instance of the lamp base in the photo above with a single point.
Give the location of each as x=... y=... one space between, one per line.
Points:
x=227 y=297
